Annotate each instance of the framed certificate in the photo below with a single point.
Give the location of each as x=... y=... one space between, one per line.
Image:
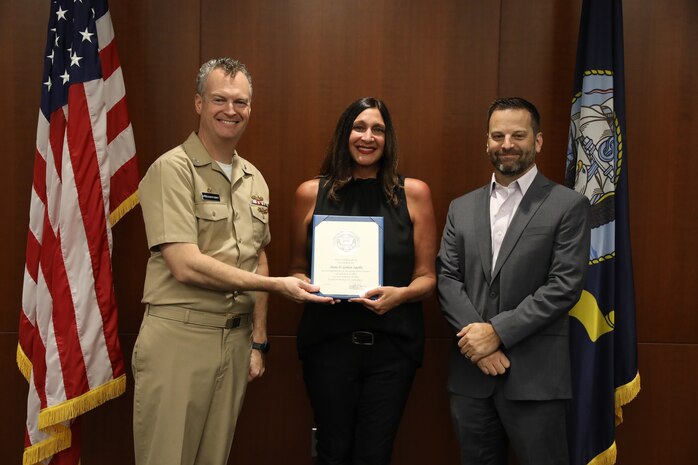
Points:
x=347 y=254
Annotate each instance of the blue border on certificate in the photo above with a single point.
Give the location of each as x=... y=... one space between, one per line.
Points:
x=318 y=219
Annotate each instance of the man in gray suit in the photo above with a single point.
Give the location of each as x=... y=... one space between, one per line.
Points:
x=511 y=265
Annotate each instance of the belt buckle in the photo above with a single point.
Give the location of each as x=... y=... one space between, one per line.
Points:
x=362 y=338
x=233 y=321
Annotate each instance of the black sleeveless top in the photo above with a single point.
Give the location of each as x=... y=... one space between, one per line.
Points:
x=404 y=324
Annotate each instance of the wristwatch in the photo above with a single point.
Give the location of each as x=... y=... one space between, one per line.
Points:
x=263 y=347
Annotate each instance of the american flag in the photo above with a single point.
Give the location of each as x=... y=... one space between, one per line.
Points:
x=85 y=179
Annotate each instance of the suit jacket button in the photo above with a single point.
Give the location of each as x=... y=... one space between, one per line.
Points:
x=493 y=294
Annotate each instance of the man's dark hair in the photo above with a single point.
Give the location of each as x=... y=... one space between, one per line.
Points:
x=516 y=103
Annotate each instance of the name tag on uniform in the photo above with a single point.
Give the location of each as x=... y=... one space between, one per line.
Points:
x=210 y=196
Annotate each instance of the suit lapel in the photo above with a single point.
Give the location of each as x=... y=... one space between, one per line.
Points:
x=531 y=202
x=483 y=233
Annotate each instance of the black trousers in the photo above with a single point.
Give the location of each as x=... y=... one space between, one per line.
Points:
x=536 y=430
x=358 y=394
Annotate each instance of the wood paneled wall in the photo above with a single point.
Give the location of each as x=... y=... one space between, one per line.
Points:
x=437 y=64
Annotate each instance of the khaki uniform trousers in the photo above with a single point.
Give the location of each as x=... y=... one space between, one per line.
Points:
x=190 y=381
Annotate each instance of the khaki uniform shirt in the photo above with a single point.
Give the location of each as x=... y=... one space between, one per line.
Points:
x=186 y=197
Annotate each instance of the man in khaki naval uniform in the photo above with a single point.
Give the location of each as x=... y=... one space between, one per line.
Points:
x=206 y=213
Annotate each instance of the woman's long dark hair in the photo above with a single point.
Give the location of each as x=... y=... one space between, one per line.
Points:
x=337 y=166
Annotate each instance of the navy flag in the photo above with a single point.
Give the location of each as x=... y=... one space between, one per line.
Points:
x=603 y=342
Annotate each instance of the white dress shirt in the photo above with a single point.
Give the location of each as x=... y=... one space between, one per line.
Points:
x=504 y=201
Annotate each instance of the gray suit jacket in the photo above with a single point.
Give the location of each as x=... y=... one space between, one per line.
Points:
x=537 y=279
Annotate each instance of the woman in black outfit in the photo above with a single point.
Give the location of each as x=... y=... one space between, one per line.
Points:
x=360 y=356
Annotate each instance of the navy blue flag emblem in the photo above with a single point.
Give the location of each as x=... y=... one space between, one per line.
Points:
x=603 y=340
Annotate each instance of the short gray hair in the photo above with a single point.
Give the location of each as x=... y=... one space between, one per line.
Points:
x=229 y=66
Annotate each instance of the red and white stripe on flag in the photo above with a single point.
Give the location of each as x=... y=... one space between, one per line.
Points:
x=85 y=180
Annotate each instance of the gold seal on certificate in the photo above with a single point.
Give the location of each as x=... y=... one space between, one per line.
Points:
x=347 y=257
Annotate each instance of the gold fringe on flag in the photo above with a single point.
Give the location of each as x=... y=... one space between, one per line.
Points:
x=75 y=407
x=24 y=364
x=624 y=395
x=125 y=207
x=607 y=457
x=51 y=419
x=58 y=440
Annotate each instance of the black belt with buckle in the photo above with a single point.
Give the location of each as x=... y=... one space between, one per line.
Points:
x=194 y=317
x=364 y=338
x=233 y=322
